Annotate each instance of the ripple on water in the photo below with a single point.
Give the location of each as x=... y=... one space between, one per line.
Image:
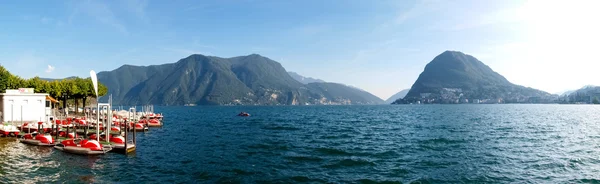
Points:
x=278 y=127
x=332 y=151
x=304 y=158
x=335 y=144
x=369 y=181
x=350 y=163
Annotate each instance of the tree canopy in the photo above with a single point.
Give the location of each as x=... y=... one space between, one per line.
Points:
x=74 y=88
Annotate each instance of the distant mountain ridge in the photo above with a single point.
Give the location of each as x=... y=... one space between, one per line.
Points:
x=303 y=79
x=454 y=77
x=209 y=80
x=587 y=94
x=399 y=95
x=51 y=79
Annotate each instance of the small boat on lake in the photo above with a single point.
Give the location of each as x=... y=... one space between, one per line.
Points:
x=243 y=114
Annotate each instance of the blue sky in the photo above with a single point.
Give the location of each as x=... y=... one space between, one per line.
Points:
x=380 y=46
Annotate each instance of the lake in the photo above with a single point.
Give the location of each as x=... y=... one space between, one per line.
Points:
x=338 y=144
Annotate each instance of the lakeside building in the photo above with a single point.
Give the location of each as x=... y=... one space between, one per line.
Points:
x=24 y=104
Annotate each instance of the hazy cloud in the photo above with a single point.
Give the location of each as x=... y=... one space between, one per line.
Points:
x=50 y=69
x=99 y=11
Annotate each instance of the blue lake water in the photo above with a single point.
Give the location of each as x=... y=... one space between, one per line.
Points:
x=338 y=144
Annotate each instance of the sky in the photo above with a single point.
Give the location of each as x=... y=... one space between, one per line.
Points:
x=380 y=46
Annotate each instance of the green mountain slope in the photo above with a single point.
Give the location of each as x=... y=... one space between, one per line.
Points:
x=452 y=76
x=196 y=79
x=208 y=80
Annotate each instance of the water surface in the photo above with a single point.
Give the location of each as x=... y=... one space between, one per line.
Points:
x=339 y=144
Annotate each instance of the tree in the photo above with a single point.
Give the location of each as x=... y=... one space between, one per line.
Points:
x=75 y=89
x=38 y=85
x=595 y=101
x=102 y=89
x=86 y=89
x=4 y=79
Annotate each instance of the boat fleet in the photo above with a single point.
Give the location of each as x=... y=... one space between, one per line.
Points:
x=99 y=132
x=85 y=136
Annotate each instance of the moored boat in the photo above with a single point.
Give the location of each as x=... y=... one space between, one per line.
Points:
x=38 y=139
x=138 y=127
x=82 y=147
x=118 y=145
x=151 y=122
x=9 y=130
x=154 y=123
x=28 y=127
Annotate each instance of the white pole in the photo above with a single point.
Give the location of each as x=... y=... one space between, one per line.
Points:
x=98 y=123
x=110 y=120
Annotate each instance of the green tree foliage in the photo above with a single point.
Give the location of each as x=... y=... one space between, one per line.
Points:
x=74 y=88
x=595 y=101
x=4 y=78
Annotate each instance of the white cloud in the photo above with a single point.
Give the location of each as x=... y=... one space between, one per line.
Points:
x=50 y=69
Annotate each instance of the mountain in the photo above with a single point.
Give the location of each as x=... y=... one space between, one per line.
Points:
x=50 y=79
x=587 y=94
x=563 y=93
x=209 y=80
x=337 y=90
x=400 y=94
x=568 y=92
x=343 y=93
x=453 y=76
x=302 y=79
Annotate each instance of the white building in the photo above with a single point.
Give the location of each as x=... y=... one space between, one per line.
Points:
x=24 y=105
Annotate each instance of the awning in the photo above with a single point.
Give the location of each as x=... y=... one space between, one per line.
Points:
x=49 y=98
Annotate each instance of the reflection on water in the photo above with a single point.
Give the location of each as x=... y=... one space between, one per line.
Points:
x=39 y=164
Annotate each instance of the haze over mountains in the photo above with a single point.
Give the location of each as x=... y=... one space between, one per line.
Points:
x=588 y=94
x=454 y=77
x=209 y=80
x=400 y=94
